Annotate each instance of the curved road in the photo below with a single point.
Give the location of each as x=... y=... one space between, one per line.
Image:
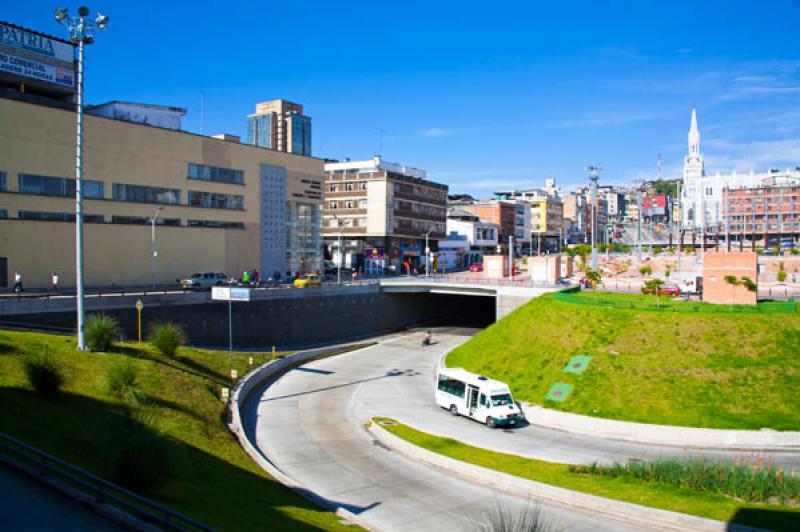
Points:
x=309 y=423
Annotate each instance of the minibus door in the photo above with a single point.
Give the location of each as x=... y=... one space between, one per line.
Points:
x=472 y=400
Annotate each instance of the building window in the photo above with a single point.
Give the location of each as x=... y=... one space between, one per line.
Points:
x=332 y=205
x=3 y=214
x=142 y=194
x=215 y=224
x=59 y=217
x=58 y=186
x=132 y=220
x=213 y=200
x=214 y=173
x=362 y=204
x=3 y=182
x=333 y=188
x=349 y=186
x=349 y=204
x=362 y=185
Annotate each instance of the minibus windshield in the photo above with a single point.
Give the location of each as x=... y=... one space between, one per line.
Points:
x=501 y=400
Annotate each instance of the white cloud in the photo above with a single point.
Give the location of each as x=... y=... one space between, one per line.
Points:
x=728 y=156
x=436 y=132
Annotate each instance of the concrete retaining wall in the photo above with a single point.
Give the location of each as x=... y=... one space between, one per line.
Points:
x=646 y=517
x=298 y=318
x=244 y=428
x=745 y=440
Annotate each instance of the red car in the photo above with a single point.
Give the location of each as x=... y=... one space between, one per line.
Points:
x=477 y=267
x=665 y=290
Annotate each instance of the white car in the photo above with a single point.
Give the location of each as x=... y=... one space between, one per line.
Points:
x=204 y=281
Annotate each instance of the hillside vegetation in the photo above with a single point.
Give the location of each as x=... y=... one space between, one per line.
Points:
x=738 y=370
x=211 y=479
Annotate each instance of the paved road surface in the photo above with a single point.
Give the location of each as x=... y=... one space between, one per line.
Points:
x=27 y=505
x=309 y=424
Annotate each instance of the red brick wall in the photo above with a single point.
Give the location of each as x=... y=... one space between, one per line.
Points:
x=717 y=265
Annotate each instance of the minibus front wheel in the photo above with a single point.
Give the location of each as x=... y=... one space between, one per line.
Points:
x=490 y=422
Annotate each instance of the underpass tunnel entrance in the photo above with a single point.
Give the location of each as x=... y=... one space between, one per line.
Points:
x=450 y=310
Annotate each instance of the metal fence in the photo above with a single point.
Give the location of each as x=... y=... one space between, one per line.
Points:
x=95 y=487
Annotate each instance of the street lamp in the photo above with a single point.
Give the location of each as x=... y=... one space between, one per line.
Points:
x=593 y=177
x=81 y=31
x=341 y=251
x=427 y=253
x=153 y=250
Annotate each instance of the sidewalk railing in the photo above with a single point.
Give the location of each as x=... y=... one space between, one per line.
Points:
x=102 y=491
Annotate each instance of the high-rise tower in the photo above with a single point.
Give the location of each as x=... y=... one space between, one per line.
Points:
x=280 y=125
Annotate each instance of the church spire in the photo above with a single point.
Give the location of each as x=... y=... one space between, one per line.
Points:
x=694 y=136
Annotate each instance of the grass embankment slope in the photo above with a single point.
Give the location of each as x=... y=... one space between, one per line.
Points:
x=666 y=497
x=212 y=479
x=700 y=369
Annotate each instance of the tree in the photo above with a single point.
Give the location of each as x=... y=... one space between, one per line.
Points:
x=654 y=286
x=593 y=276
x=734 y=282
x=748 y=283
x=667 y=271
x=646 y=270
x=781 y=276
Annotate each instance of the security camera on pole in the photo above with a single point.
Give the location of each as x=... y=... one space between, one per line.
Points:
x=81 y=31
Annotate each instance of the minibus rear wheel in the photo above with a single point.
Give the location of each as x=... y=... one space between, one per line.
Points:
x=454 y=410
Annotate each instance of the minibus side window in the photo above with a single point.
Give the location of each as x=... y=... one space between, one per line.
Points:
x=483 y=400
x=451 y=386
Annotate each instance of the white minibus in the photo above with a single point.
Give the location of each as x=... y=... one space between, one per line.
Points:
x=476 y=397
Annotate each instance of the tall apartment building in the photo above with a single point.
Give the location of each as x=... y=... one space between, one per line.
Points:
x=381 y=212
x=546 y=217
x=280 y=125
x=769 y=213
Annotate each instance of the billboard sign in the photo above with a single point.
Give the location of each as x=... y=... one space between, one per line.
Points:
x=225 y=293
x=36 y=70
x=36 y=43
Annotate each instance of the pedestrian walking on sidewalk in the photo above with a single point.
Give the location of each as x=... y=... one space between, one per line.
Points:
x=17 y=282
x=54 y=281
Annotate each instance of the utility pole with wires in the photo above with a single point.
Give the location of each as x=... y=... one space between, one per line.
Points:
x=638 y=185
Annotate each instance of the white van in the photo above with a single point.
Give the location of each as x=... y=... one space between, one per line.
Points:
x=475 y=396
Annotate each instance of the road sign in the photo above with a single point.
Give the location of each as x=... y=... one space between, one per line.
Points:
x=226 y=293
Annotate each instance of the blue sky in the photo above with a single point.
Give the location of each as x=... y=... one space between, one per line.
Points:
x=484 y=96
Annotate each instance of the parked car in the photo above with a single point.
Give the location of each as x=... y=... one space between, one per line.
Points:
x=666 y=290
x=306 y=281
x=476 y=267
x=204 y=281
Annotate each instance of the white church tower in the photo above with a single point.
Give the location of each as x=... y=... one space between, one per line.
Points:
x=693 y=173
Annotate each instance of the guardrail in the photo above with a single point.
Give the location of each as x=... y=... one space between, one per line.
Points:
x=101 y=491
x=467 y=280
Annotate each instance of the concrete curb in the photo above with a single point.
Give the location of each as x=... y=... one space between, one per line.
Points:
x=644 y=516
x=734 y=440
x=238 y=401
x=644 y=433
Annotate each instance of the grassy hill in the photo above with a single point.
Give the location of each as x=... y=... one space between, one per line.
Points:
x=695 y=366
x=212 y=479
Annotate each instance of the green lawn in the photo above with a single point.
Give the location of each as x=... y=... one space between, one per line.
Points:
x=213 y=481
x=697 y=369
x=710 y=505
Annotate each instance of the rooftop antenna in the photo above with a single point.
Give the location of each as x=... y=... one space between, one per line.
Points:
x=202 y=113
x=380 y=131
x=658 y=168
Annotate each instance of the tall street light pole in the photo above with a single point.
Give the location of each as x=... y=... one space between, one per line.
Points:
x=593 y=177
x=427 y=253
x=81 y=31
x=153 y=251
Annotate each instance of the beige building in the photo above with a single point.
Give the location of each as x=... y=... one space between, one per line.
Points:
x=280 y=125
x=382 y=211
x=219 y=205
